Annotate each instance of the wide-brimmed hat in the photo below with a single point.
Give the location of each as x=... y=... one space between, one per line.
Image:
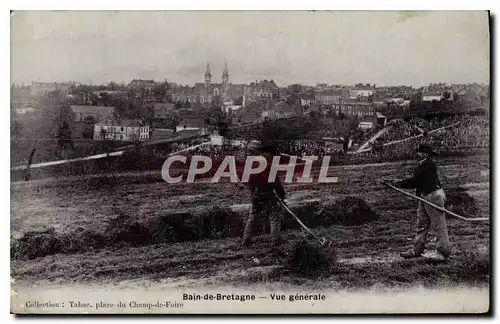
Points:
x=424 y=148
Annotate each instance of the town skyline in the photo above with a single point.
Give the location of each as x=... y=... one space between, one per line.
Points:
x=100 y=47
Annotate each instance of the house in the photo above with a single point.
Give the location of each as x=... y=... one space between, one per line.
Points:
x=328 y=97
x=162 y=128
x=124 y=130
x=162 y=133
x=381 y=120
x=405 y=104
x=283 y=109
x=251 y=113
x=365 y=125
x=395 y=101
x=361 y=92
x=266 y=89
x=141 y=84
x=231 y=109
x=39 y=88
x=193 y=124
x=92 y=114
x=163 y=110
x=305 y=101
x=354 y=108
x=468 y=96
x=432 y=96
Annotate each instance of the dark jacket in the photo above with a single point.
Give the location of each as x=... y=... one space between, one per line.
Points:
x=261 y=188
x=425 y=178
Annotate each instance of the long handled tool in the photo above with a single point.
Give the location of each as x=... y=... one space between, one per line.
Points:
x=435 y=206
x=323 y=241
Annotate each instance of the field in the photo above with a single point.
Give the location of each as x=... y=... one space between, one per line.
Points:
x=98 y=231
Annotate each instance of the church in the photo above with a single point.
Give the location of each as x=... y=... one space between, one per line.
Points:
x=206 y=92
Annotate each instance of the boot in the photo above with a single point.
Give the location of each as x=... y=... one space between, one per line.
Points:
x=246 y=242
x=409 y=254
x=444 y=254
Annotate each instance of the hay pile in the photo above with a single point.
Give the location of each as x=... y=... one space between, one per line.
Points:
x=119 y=231
x=125 y=230
x=183 y=227
x=460 y=202
x=347 y=211
x=37 y=244
x=353 y=211
x=309 y=259
x=213 y=223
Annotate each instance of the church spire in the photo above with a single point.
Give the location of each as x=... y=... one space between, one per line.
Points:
x=225 y=75
x=208 y=76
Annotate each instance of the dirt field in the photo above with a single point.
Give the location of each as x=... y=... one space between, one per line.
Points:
x=367 y=253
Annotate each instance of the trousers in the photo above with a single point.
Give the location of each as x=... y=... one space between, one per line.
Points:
x=428 y=216
x=259 y=209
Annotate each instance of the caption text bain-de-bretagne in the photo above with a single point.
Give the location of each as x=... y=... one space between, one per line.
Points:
x=251 y=297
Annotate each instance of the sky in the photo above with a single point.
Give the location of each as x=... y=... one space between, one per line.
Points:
x=308 y=47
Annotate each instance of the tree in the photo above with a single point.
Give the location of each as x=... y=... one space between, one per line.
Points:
x=113 y=86
x=52 y=112
x=64 y=136
x=160 y=91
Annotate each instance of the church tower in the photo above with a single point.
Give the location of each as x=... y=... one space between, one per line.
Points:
x=208 y=77
x=225 y=76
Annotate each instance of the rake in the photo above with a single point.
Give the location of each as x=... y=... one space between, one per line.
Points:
x=480 y=219
x=322 y=241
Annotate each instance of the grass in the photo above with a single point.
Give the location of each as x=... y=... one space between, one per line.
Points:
x=77 y=210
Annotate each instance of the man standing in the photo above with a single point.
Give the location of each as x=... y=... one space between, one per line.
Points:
x=264 y=200
x=426 y=182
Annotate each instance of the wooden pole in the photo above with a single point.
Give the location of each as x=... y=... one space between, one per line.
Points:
x=435 y=206
x=282 y=203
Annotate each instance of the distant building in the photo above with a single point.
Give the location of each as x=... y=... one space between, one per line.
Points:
x=204 y=93
x=306 y=101
x=432 y=96
x=163 y=110
x=193 y=124
x=251 y=113
x=284 y=110
x=354 y=108
x=381 y=120
x=266 y=90
x=361 y=92
x=162 y=133
x=468 y=96
x=328 y=97
x=92 y=114
x=124 y=130
x=231 y=108
x=142 y=84
x=365 y=125
x=39 y=88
